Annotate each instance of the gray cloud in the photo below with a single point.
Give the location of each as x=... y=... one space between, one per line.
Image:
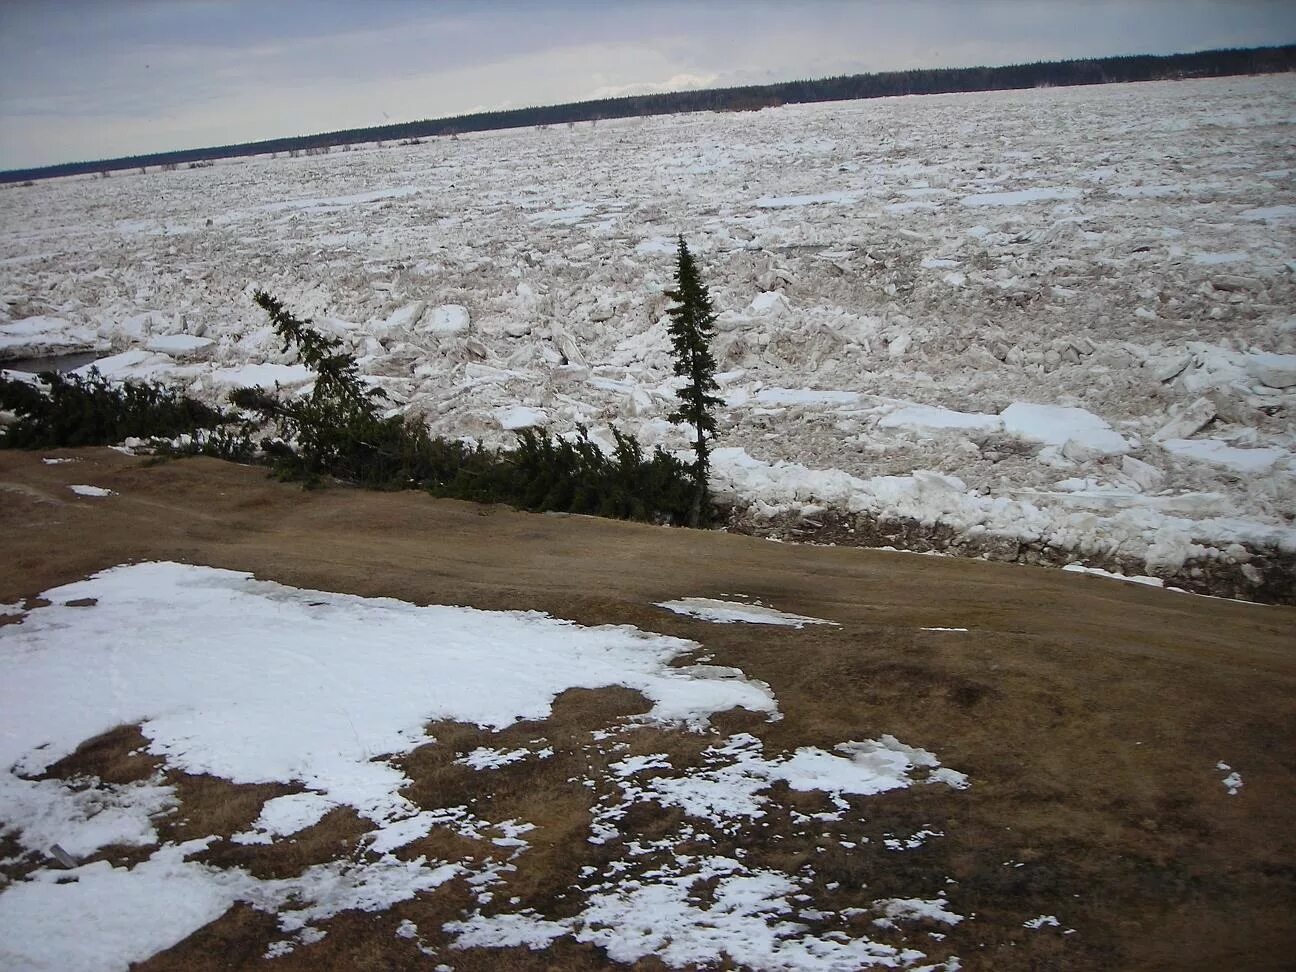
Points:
x=88 y=79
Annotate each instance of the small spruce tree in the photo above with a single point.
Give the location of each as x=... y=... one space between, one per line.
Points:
x=691 y=328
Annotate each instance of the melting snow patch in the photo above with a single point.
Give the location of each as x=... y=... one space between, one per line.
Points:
x=83 y=490
x=1041 y=921
x=1099 y=572
x=252 y=681
x=737 y=773
x=751 y=921
x=1232 y=782
x=484 y=758
x=239 y=697
x=916 y=909
x=285 y=815
x=115 y=912
x=729 y=612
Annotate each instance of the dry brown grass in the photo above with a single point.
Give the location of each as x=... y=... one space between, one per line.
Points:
x=1088 y=714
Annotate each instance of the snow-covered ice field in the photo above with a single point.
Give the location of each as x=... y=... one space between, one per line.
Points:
x=1041 y=325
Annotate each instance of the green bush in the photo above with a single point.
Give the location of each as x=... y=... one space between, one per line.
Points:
x=337 y=431
x=74 y=410
x=546 y=473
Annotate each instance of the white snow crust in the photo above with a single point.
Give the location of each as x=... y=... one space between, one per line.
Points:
x=729 y=612
x=252 y=681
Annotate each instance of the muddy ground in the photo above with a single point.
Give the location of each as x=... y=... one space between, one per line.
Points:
x=1089 y=714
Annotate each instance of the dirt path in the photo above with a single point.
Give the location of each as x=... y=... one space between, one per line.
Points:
x=1089 y=714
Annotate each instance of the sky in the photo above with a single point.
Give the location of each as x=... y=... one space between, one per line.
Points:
x=91 y=79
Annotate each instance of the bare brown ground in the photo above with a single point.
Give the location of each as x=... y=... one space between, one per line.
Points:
x=1089 y=715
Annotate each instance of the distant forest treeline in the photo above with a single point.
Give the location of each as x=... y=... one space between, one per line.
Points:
x=1105 y=70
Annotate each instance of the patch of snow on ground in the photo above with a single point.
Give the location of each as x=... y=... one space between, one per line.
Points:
x=119 y=916
x=730 y=612
x=286 y=815
x=252 y=681
x=81 y=489
x=484 y=757
x=227 y=705
x=1099 y=572
x=1232 y=782
x=737 y=773
x=917 y=909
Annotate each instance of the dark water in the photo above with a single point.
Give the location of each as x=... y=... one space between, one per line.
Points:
x=54 y=362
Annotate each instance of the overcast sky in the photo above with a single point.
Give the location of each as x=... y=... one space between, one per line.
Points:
x=89 y=79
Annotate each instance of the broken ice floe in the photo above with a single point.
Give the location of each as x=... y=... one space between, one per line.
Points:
x=921 y=301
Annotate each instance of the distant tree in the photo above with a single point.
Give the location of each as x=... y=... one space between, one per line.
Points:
x=691 y=328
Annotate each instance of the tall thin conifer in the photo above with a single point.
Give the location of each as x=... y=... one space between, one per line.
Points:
x=691 y=329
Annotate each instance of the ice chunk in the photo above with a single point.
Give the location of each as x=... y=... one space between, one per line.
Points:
x=262 y=376
x=935 y=417
x=770 y=304
x=1274 y=370
x=446 y=319
x=1220 y=453
x=814 y=199
x=1269 y=214
x=406 y=317
x=1020 y=197
x=515 y=417
x=34 y=337
x=1187 y=420
x=179 y=345
x=1059 y=424
x=1144 y=475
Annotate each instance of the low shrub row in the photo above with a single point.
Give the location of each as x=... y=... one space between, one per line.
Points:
x=337 y=432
